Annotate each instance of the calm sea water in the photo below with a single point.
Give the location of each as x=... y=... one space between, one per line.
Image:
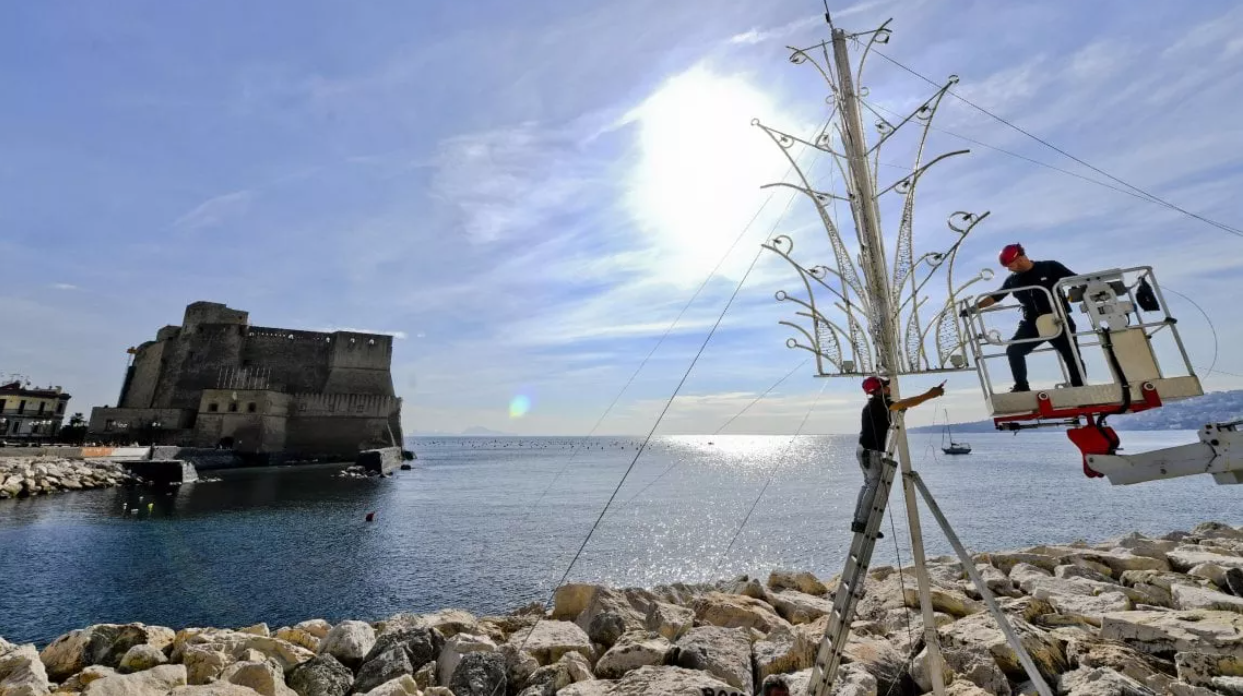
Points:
x=488 y=524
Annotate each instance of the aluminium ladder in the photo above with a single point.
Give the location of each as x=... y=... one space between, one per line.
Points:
x=850 y=588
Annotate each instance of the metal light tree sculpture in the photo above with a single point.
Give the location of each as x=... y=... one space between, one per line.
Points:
x=854 y=315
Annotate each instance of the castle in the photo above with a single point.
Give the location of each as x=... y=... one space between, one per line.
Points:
x=217 y=381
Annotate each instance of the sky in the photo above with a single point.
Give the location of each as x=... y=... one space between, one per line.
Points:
x=528 y=194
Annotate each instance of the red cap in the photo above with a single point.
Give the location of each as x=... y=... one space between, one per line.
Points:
x=1010 y=253
x=872 y=385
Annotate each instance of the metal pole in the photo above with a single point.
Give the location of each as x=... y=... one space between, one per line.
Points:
x=883 y=326
x=969 y=565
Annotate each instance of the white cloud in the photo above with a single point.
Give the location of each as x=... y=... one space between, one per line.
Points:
x=215 y=210
x=399 y=335
x=64 y=286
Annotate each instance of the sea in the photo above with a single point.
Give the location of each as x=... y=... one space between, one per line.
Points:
x=491 y=524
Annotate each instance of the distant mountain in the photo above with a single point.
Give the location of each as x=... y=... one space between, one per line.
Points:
x=1189 y=414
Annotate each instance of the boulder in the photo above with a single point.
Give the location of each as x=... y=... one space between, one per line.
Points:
x=1199 y=669
x=547 y=641
x=980 y=632
x=608 y=615
x=782 y=651
x=214 y=689
x=204 y=664
x=735 y=611
x=479 y=674
x=601 y=687
x=1024 y=574
x=421 y=644
x=996 y=581
x=879 y=657
x=1234 y=581
x=401 y=686
x=571 y=599
x=519 y=665
x=966 y=688
x=231 y=646
x=455 y=648
x=451 y=622
x=633 y=650
x=750 y=587
x=349 y=642
x=141 y=657
x=100 y=644
x=322 y=675
x=1096 y=681
x=264 y=677
x=377 y=669
x=79 y=681
x=22 y=672
x=1079 y=571
x=157 y=681
x=1005 y=562
x=1167 y=632
x=259 y=629
x=1192 y=598
x=1229 y=686
x=852 y=680
x=1216 y=530
x=945 y=602
x=802 y=582
x=671 y=681
x=1184 y=558
x=1093 y=652
x=799 y=607
x=972 y=665
x=316 y=627
x=725 y=653
x=669 y=620
x=299 y=637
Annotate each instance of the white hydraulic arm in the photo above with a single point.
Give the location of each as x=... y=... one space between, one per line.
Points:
x=1219 y=452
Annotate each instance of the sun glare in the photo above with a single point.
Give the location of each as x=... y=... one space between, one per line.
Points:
x=701 y=163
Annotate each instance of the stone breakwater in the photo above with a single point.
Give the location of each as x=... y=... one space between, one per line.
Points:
x=21 y=477
x=1133 y=616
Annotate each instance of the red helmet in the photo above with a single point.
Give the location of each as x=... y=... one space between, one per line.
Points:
x=1009 y=253
x=871 y=385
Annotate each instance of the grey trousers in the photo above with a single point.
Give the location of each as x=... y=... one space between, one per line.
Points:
x=872 y=463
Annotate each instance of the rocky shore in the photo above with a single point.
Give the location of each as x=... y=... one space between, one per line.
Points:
x=21 y=477
x=1133 y=616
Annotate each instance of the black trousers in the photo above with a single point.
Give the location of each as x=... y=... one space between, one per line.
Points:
x=1017 y=353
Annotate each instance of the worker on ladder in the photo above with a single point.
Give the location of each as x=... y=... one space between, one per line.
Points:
x=1025 y=273
x=873 y=438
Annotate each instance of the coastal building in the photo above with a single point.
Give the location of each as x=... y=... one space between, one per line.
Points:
x=28 y=413
x=218 y=381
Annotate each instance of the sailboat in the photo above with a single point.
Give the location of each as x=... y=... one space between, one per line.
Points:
x=953 y=447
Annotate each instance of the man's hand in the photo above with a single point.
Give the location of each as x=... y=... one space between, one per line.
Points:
x=936 y=391
x=966 y=312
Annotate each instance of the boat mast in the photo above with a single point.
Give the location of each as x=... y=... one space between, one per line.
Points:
x=883 y=323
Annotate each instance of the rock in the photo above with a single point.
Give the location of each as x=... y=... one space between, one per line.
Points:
x=602 y=687
x=259 y=629
x=519 y=665
x=479 y=674
x=157 y=681
x=79 y=681
x=1184 y=558
x=975 y=666
x=1211 y=572
x=799 y=607
x=1180 y=689
x=322 y=675
x=22 y=672
x=401 y=686
x=1108 y=654
x=669 y=620
x=316 y=627
x=547 y=641
x=299 y=637
x=231 y=646
x=455 y=648
x=1079 y=571
x=671 y=681
x=264 y=677
x=980 y=632
x=1199 y=669
x=141 y=657
x=100 y=644
x=945 y=602
x=725 y=653
x=425 y=676
x=1234 y=581
x=608 y=614
x=852 y=680
x=204 y=664
x=1095 y=681
x=378 y=669
x=782 y=651
x=879 y=657
x=1191 y=598
x=750 y=587
x=1005 y=562
x=1229 y=686
x=735 y=611
x=1024 y=574
x=633 y=650
x=996 y=581
x=349 y=642
x=1218 y=632
x=803 y=582
x=966 y=688
x=421 y=645
x=605 y=628
x=571 y=599
x=1216 y=530
x=216 y=689
x=451 y=622
x=398 y=622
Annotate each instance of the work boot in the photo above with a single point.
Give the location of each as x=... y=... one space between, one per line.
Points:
x=860 y=527
x=1020 y=388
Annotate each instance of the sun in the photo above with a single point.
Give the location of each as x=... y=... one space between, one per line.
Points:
x=696 y=181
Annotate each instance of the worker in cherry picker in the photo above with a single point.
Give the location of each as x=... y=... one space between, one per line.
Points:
x=1027 y=273
x=872 y=440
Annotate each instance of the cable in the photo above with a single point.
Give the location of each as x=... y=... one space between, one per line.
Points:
x=1210 y=328
x=1154 y=198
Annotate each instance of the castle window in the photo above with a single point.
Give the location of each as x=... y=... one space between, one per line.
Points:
x=233 y=407
x=108 y=424
x=250 y=407
x=301 y=407
x=213 y=407
x=359 y=408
